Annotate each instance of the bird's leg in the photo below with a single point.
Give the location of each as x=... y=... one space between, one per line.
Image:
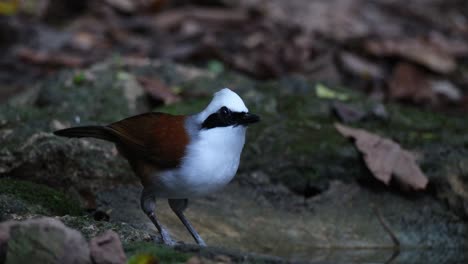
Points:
x=148 y=204
x=178 y=206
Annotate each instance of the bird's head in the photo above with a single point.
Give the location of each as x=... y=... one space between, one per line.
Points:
x=226 y=109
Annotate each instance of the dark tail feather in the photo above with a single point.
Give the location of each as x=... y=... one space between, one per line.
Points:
x=100 y=132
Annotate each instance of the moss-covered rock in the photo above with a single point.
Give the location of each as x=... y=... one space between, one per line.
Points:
x=21 y=197
x=297 y=144
x=330 y=199
x=91 y=228
x=30 y=152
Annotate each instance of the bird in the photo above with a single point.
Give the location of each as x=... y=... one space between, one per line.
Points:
x=179 y=157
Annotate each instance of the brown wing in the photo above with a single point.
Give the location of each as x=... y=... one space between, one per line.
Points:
x=156 y=137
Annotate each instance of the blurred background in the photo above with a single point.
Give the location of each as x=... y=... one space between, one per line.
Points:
x=362 y=150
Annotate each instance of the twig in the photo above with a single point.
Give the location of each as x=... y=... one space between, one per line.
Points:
x=394 y=256
x=387 y=228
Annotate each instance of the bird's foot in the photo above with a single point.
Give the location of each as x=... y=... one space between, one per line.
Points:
x=200 y=242
x=166 y=239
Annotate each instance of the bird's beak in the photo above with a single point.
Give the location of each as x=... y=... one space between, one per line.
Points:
x=248 y=118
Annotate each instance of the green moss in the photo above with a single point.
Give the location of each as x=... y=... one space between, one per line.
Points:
x=79 y=78
x=298 y=145
x=56 y=203
x=296 y=142
x=91 y=228
x=143 y=250
x=215 y=67
x=67 y=98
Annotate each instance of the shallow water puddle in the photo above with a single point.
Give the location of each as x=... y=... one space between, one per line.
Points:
x=238 y=220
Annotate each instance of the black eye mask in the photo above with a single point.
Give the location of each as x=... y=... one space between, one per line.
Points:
x=225 y=117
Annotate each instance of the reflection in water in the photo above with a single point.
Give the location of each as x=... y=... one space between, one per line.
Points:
x=386 y=256
x=268 y=231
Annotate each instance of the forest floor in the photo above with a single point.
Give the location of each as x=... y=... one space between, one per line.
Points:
x=303 y=192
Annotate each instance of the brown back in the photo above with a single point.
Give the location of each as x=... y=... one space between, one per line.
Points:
x=157 y=138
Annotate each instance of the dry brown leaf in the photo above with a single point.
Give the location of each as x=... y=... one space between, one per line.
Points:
x=418 y=50
x=454 y=46
x=83 y=41
x=446 y=89
x=158 y=90
x=49 y=59
x=348 y=113
x=385 y=158
x=409 y=83
x=212 y=17
x=361 y=67
x=131 y=6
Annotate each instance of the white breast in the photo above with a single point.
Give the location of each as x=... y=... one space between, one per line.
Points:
x=211 y=161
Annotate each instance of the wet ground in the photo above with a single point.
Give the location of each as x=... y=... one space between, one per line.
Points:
x=240 y=220
x=302 y=191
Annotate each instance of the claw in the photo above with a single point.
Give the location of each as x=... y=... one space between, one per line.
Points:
x=166 y=238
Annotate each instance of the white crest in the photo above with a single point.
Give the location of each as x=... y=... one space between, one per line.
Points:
x=224 y=97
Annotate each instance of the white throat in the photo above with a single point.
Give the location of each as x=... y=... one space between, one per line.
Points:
x=212 y=159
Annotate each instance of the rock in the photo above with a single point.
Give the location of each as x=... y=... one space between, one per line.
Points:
x=452 y=182
x=417 y=50
x=107 y=249
x=91 y=228
x=221 y=259
x=44 y=240
x=22 y=197
x=48 y=240
x=4 y=236
x=9 y=32
x=299 y=180
x=34 y=154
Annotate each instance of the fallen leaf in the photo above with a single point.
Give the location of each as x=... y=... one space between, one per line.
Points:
x=83 y=41
x=175 y=17
x=326 y=93
x=49 y=59
x=447 y=89
x=158 y=90
x=131 y=6
x=194 y=260
x=347 y=113
x=456 y=47
x=409 y=83
x=350 y=113
x=221 y=259
x=263 y=49
x=385 y=158
x=379 y=111
x=361 y=67
x=123 y=5
x=418 y=50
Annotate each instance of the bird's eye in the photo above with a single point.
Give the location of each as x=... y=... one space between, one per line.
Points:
x=224 y=111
